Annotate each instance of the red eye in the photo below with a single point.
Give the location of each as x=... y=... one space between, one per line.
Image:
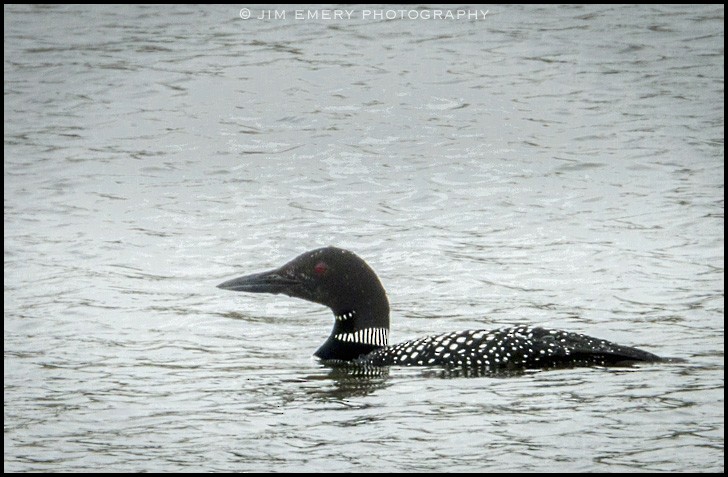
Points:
x=320 y=269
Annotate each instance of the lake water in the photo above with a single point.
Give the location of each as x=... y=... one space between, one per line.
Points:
x=557 y=166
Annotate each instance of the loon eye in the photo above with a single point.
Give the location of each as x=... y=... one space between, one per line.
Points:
x=320 y=269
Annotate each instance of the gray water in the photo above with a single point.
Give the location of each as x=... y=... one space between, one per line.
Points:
x=557 y=166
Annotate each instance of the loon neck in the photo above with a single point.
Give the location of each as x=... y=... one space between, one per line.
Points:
x=356 y=333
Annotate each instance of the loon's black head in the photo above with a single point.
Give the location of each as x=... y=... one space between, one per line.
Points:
x=340 y=280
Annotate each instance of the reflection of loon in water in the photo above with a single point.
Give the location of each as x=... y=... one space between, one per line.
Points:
x=345 y=283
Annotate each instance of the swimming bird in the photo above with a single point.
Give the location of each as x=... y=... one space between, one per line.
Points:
x=342 y=281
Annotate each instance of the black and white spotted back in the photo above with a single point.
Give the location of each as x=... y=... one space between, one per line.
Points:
x=519 y=347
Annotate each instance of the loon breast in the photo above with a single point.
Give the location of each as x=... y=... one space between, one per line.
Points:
x=342 y=281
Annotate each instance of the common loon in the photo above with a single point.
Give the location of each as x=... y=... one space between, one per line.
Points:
x=345 y=283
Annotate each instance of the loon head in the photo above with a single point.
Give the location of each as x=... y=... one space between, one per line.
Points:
x=338 y=279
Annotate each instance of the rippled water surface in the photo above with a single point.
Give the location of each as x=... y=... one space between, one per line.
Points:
x=559 y=166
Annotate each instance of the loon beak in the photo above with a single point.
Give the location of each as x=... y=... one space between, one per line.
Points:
x=267 y=282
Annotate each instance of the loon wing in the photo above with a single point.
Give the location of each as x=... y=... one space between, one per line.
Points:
x=561 y=345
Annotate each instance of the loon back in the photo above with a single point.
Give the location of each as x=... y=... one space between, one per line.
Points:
x=342 y=281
